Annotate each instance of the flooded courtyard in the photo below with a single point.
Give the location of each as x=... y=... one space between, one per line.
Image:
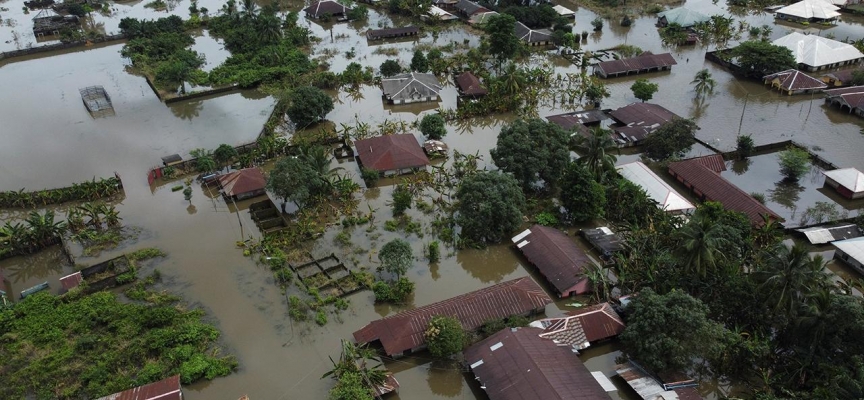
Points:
x=49 y=140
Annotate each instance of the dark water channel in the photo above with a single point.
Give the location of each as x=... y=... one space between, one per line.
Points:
x=49 y=140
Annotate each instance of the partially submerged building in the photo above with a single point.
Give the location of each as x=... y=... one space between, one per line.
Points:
x=391 y=33
x=604 y=241
x=667 y=198
x=243 y=184
x=840 y=78
x=578 y=121
x=327 y=9
x=849 y=182
x=436 y=13
x=582 y=327
x=643 y=63
x=481 y=18
x=851 y=251
x=404 y=332
x=470 y=86
x=793 y=81
x=468 y=8
x=850 y=98
x=557 y=257
x=413 y=87
x=683 y=16
x=815 y=53
x=391 y=154
x=702 y=176
x=828 y=234
x=564 y=11
x=650 y=387
x=166 y=389
x=516 y=364
x=47 y=23
x=809 y=11
x=532 y=37
x=636 y=121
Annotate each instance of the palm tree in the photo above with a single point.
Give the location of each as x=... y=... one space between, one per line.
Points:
x=43 y=230
x=270 y=29
x=356 y=359
x=318 y=157
x=788 y=275
x=593 y=153
x=703 y=83
x=93 y=211
x=250 y=9
x=700 y=241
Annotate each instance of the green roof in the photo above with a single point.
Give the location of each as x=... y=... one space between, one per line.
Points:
x=683 y=16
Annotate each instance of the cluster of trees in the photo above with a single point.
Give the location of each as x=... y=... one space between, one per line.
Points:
x=306 y=178
x=757 y=58
x=37 y=231
x=87 y=190
x=160 y=48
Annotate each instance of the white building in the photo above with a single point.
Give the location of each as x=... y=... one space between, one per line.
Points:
x=666 y=197
x=851 y=251
x=809 y=11
x=814 y=53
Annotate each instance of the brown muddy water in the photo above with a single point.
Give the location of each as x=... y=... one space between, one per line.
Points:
x=49 y=140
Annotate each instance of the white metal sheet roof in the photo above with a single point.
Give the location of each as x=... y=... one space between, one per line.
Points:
x=853 y=247
x=826 y=234
x=850 y=178
x=656 y=188
x=440 y=13
x=603 y=381
x=683 y=16
x=811 y=9
x=816 y=51
x=563 y=11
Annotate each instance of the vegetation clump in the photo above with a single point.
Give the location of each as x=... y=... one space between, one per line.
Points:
x=672 y=140
x=86 y=191
x=490 y=207
x=444 y=336
x=533 y=151
x=432 y=126
x=794 y=162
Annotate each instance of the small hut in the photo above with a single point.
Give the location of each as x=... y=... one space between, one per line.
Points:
x=792 y=81
x=47 y=22
x=849 y=182
x=470 y=86
x=243 y=184
x=327 y=9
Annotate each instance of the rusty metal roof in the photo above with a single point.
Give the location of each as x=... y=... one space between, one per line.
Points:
x=390 y=385
x=714 y=162
x=582 y=326
x=166 y=389
x=640 y=119
x=646 y=60
x=569 y=120
x=393 y=152
x=406 y=330
x=792 y=79
x=470 y=85
x=516 y=364
x=716 y=188
x=556 y=256
x=243 y=181
x=392 y=32
x=324 y=7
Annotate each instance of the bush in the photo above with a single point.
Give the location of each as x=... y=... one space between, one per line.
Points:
x=369 y=176
x=444 y=336
x=321 y=318
x=794 y=162
x=547 y=219
x=389 y=68
x=432 y=126
x=396 y=257
x=402 y=199
x=745 y=146
x=397 y=292
x=309 y=105
x=433 y=252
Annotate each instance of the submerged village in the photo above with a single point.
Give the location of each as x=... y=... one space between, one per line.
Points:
x=431 y=199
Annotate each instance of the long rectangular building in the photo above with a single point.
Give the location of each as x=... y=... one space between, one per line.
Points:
x=666 y=197
x=557 y=257
x=645 y=62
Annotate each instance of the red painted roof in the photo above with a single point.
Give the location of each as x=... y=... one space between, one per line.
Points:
x=714 y=162
x=852 y=96
x=406 y=330
x=516 y=364
x=470 y=85
x=166 y=389
x=557 y=257
x=717 y=188
x=242 y=181
x=645 y=60
x=792 y=79
x=392 y=152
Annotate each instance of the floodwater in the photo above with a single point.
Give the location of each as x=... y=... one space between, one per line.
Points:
x=49 y=140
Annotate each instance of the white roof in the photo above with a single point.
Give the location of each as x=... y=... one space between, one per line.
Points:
x=811 y=9
x=850 y=178
x=656 y=188
x=563 y=11
x=441 y=14
x=826 y=234
x=853 y=247
x=816 y=51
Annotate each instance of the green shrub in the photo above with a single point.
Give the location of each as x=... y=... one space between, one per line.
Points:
x=433 y=252
x=546 y=219
x=794 y=162
x=321 y=318
x=444 y=336
x=395 y=292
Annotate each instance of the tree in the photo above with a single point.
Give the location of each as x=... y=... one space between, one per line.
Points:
x=308 y=106
x=581 y=195
x=703 y=83
x=595 y=91
x=503 y=44
x=294 y=179
x=744 y=146
x=593 y=153
x=389 y=68
x=187 y=194
x=181 y=67
x=665 y=333
x=758 y=58
x=788 y=275
x=794 y=162
x=396 y=257
x=672 y=139
x=224 y=154
x=700 y=243
x=857 y=78
x=419 y=62
x=489 y=206
x=204 y=160
x=432 y=126
x=532 y=150
x=644 y=90
x=444 y=336
x=402 y=199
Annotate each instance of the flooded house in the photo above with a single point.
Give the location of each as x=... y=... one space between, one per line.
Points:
x=851 y=252
x=840 y=78
x=404 y=333
x=808 y=11
x=683 y=16
x=643 y=63
x=828 y=234
x=578 y=121
x=604 y=240
x=391 y=154
x=792 y=81
x=532 y=37
x=326 y=10
x=816 y=53
x=517 y=364
x=166 y=389
x=445 y=4
x=667 y=198
x=634 y=122
x=470 y=86
x=243 y=184
x=481 y=18
x=564 y=11
x=468 y=8
x=413 y=87
x=47 y=22
x=849 y=182
x=651 y=387
x=702 y=176
x=391 y=33
x=851 y=99
x=582 y=327
x=557 y=257
x=438 y=14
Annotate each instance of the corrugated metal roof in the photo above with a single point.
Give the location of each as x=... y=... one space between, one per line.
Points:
x=850 y=178
x=582 y=326
x=792 y=79
x=390 y=385
x=666 y=197
x=640 y=119
x=568 y=120
x=243 y=181
x=410 y=85
x=646 y=60
x=827 y=234
x=649 y=388
x=320 y=8
x=557 y=257
x=815 y=51
x=526 y=367
x=391 y=152
x=563 y=11
x=529 y=35
x=470 y=85
x=406 y=330
x=470 y=7
x=808 y=9
x=166 y=389
x=853 y=247
x=853 y=96
x=392 y=32
x=71 y=281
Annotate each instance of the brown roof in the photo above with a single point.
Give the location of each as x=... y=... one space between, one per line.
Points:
x=470 y=85
x=575 y=119
x=392 y=32
x=714 y=162
x=321 y=8
x=557 y=257
x=470 y=8
x=166 y=389
x=243 y=181
x=405 y=330
x=844 y=76
x=853 y=96
x=640 y=119
x=717 y=188
x=582 y=326
x=792 y=79
x=646 y=60
x=392 y=152
x=516 y=364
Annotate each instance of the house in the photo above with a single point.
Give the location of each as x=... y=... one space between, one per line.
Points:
x=532 y=37
x=47 y=22
x=649 y=387
x=470 y=86
x=851 y=251
x=388 y=33
x=404 y=332
x=412 y=87
x=173 y=159
x=808 y=11
x=849 y=182
x=840 y=78
x=327 y=9
x=468 y=8
x=851 y=98
x=793 y=81
x=516 y=364
x=557 y=257
x=645 y=62
x=637 y=120
x=166 y=389
x=827 y=234
x=436 y=13
x=581 y=327
x=243 y=184
x=704 y=180
x=682 y=16
x=603 y=240
x=391 y=154
x=481 y=18
x=666 y=197
x=445 y=4
x=564 y=11
x=815 y=53
x=578 y=121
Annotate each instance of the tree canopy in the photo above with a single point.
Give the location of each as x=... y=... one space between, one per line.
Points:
x=644 y=90
x=419 y=62
x=396 y=257
x=309 y=105
x=389 y=68
x=432 y=126
x=302 y=178
x=794 y=162
x=581 y=195
x=672 y=140
x=533 y=151
x=489 y=207
x=444 y=336
x=503 y=44
x=757 y=58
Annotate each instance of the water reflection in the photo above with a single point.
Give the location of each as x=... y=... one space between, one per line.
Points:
x=445 y=378
x=187 y=110
x=489 y=265
x=740 y=167
x=786 y=193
